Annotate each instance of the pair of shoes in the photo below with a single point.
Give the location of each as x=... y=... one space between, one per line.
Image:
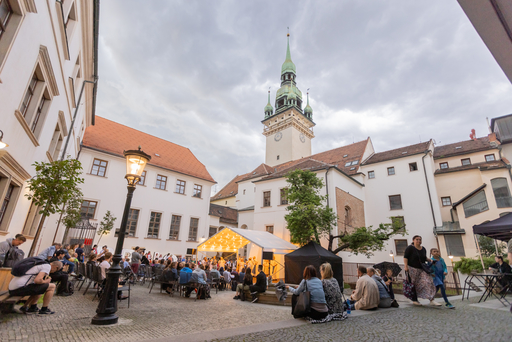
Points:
x=27 y=310
x=64 y=294
x=73 y=274
x=434 y=303
x=236 y=297
x=255 y=300
x=449 y=306
x=122 y=297
x=46 y=312
x=417 y=303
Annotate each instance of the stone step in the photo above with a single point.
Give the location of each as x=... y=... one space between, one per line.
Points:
x=269 y=297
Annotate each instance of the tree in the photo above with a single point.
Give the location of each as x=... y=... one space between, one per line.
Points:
x=53 y=185
x=106 y=224
x=309 y=218
x=488 y=247
x=71 y=215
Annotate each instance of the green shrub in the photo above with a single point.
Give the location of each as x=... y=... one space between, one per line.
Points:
x=468 y=265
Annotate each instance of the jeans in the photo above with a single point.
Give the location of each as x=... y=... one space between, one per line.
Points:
x=71 y=268
x=443 y=292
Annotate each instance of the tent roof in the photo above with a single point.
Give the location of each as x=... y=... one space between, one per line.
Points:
x=499 y=229
x=313 y=249
x=231 y=239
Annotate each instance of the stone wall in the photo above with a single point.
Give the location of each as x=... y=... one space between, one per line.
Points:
x=356 y=211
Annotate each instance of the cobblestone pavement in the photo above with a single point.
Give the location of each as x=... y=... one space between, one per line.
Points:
x=150 y=316
x=465 y=323
x=158 y=316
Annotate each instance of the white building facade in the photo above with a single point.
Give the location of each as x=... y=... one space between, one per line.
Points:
x=47 y=60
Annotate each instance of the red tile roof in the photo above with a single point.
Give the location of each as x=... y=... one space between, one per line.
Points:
x=398 y=153
x=226 y=215
x=112 y=137
x=464 y=147
x=230 y=190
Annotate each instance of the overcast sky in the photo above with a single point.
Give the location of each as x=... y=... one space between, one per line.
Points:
x=197 y=73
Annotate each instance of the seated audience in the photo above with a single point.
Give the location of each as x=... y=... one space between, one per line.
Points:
x=226 y=277
x=50 y=251
x=105 y=264
x=198 y=276
x=261 y=284
x=185 y=274
x=169 y=275
x=68 y=260
x=59 y=275
x=366 y=294
x=92 y=259
x=243 y=288
x=80 y=253
x=502 y=267
x=332 y=290
x=214 y=274
x=384 y=297
x=35 y=283
x=318 y=303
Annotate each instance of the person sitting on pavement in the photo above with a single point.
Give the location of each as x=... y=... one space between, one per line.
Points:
x=260 y=286
x=48 y=253
x=366 y=294
x=384 y=297
x=244 y=286
x=35 y=283
x=9 y=249
x=59 y=275
x=388 y=280
x=332 y=291
x=502 y=267
x=314 y=285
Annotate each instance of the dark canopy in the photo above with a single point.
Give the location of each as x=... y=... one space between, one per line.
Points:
x=311 y=254
x=499 y=229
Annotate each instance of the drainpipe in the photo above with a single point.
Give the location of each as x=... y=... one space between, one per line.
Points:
x=327 y=192
x=508 y=165
x=430 y=198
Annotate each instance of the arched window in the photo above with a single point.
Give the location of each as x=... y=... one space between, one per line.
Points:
x=347 y=218
x=244 y=226
x=501 y=192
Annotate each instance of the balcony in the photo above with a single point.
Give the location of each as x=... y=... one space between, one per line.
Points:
x=450 y=228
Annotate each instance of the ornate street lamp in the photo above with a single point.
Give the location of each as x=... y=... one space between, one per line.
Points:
x=392 y=255
x=2 y=144
x=136 y=160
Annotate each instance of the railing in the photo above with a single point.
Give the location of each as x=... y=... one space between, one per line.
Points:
x=476 y=208
x=449 y=226
x=504 y=202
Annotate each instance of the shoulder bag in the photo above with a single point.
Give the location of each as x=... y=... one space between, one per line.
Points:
x=408 y=287
x=303 y=306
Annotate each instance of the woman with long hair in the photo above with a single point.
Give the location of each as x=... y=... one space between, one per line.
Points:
x=318 y=303
x=331 y=289
x=414 y=257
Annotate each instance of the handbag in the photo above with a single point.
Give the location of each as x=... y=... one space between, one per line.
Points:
x=424 y=266
x=303 y=306
x=408 y=287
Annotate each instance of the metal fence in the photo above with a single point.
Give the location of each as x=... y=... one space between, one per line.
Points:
x=84 y=232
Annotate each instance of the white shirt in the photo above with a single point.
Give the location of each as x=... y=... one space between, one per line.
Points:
x=29 y=277
x=105 y=265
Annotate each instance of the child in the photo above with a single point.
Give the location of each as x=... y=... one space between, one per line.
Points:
x=388 y=279
x=439 y=267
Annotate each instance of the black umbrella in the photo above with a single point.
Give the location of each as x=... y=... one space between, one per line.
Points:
x=386 y=265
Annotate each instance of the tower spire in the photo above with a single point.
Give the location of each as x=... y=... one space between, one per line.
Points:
x=269 y=110
x=308 y=111
x=288 y=65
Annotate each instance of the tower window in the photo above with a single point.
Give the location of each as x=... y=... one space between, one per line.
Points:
x=277 y=157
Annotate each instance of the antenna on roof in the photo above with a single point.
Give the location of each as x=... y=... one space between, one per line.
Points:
x=488 y=125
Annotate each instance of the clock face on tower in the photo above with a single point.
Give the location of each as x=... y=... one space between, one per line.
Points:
x=278 y=136
x=302 y=138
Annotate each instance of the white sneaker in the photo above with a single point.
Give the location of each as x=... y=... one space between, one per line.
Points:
x=417 y=303
x=434 y=303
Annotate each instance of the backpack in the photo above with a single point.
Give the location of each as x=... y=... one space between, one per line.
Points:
x=13 y=255
x=71 y=288
x=21 y=267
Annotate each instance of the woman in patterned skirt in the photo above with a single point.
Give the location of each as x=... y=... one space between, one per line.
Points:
x=414 y=256
x=331 y=289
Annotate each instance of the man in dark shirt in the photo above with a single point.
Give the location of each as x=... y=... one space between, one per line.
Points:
x=261 y=284
x=60 y=276
x=502 y=267
x=80 y=252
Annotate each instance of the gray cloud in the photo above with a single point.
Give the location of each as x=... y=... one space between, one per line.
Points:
x=196 y=73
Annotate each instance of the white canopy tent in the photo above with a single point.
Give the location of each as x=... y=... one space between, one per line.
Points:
x=232 y=239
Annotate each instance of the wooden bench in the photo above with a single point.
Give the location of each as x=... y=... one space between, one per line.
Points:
x=7 y=302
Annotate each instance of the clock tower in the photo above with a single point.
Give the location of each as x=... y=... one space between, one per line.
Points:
x=290 y=129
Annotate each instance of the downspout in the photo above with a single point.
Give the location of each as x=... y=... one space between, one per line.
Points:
x=430 y=198
x=327 y=192
x=61 y=2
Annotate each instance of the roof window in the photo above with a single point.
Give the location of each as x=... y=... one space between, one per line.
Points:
x=156 y=154
x=355 y=162
x=345 y=155
x=458 y=147
x=404 y=152
x=352 y=168
x=348 y=164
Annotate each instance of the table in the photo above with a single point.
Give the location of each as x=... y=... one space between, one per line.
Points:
x=488 y=282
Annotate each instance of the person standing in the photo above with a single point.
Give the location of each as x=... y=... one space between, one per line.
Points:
x=440 y=272
x=80 y=252
x=136 y=260
x=414 y=257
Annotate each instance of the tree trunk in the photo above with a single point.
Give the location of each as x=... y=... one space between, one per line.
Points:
x=36 y=238
x=331 y=240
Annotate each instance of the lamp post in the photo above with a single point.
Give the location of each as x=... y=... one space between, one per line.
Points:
x=2 y=144
x=392 y=255
x=136 y=160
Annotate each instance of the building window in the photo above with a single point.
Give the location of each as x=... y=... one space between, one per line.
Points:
x=161 y=182
x=174 y=233
x=32 y=221
x=192 y=233
x=88 y=209
x=476 y=204
x=131 y=224
x=197 y=190
x=5 y=15
x=395 y=202
x=277 y=157
x=371 y=174
x=142 y=180
x=270 y=229
x=5 y=203
x=266 y=198
x=454 y=245
x=244 y=191
x=413 y=167
x=501 y=192
x=489 y=158
x=99 y=167
x=443 y=165
x=466 y=161
x=284 y=196
x=29 y=94
x=398 y=222
x=400 y=246
x=347 y=218
x=154 y=225
x=56 y=143
x=391 y=171
x=212 y=231
x=180 y=187
x=447 y=201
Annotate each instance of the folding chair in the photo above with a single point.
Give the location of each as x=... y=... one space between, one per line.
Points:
x=88 y=275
